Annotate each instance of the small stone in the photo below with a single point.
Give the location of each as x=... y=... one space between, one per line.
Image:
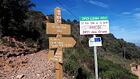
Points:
x=38 y=75
x=12 y=77
x=20 y=76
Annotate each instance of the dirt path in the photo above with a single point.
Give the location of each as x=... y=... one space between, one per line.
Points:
x=31 y=66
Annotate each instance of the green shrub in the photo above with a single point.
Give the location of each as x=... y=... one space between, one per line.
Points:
x=109 y=70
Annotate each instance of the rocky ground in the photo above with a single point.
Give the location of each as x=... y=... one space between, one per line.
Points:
x=31 y=66
x=24 y=63
x=18 y=61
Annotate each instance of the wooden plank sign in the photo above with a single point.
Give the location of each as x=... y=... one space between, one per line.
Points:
x=63 y=42
x=54 y=28
x=50 y=54
x=57 y=15
x=58 y=57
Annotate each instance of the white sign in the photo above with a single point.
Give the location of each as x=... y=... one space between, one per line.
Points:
x=94 y=25
x=95 y=41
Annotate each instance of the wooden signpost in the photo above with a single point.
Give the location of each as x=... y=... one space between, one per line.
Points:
x=58 y=42
x=57 y=15
x=53 y=28
x=50 y=54
x=63 y=42
x=58 y=56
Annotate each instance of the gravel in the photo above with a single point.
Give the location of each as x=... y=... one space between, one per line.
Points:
x=31 y=66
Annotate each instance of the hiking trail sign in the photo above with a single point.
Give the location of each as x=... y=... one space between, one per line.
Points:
x=58 y=42
x=94 y=25
x=54 y=28
x=63 y=42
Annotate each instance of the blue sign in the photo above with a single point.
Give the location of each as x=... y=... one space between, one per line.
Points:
x=97 y=39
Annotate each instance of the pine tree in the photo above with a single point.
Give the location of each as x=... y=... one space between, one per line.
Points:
x=12 y=15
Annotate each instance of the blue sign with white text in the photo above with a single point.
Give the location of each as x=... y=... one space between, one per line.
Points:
x=97 y=39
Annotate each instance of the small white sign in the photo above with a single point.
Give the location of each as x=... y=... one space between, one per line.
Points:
x=94 y=25
x=95 y=41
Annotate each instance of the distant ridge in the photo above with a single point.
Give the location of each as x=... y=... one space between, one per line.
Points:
x=138 y=44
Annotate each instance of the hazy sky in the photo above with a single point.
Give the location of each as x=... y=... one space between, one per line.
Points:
x=124 y=15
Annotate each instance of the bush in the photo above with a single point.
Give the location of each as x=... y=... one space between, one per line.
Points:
x=75 y=58
x=30 y=42
x=109 y=70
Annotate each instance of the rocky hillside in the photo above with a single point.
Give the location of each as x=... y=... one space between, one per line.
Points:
x=24 y=45
x=18 y=54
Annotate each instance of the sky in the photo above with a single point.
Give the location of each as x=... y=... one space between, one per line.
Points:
x=124 y=15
